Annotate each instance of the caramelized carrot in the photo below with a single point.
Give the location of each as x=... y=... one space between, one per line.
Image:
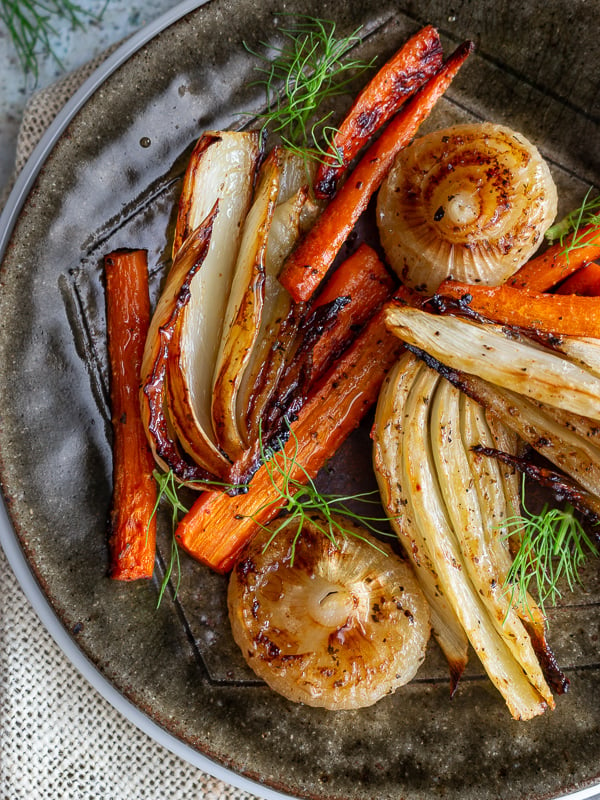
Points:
x=366 y=283
x=586 y=281
x=132 y=540
x=409 y=297
x=543 y=272
x=218 y=525
x=312 y=258
x=398 y=79
x=350 y=297
x=564 y=315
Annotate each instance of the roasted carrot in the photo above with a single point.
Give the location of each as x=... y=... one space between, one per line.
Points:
x=350 y=297
x=409 y=297
x=218 y=525
x=132 y=538
x=556 y=263
x=398 y=79
x=366 y=283
x=312 y=258
x=563 y=315
x=586 y=281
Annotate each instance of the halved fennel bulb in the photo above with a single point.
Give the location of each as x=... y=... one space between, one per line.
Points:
x=223 y=174
x=470 y=202
x=448 y=507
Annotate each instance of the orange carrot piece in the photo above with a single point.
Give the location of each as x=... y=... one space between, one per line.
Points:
x=365 y=281
x=563 y=315
x=555 y=264
x=218 y=525
x=409 y=297
x=585 y=282
x=398 y=79
x=350 y=297
x=132 y=540
x=312 y=258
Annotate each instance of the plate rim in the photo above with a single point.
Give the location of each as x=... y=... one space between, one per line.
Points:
x=8 y=537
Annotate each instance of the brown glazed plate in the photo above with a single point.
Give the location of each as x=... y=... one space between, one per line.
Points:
x=107 y=175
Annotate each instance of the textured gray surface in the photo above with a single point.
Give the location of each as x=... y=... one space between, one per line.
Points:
x=100 y=189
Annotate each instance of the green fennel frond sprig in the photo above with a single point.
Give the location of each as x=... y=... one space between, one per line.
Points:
x=587 y=214
x=553 y=548
x=302 y=499
x=31 y=26
x=312 y=66
x=168 y=491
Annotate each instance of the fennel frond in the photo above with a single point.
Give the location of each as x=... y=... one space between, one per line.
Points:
x=587 y=214
x=553 y=548
x=302 y=498
x=310 y=67
x=168 y=491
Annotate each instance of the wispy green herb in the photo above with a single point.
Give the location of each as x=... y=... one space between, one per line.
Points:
x=302 y=500
x=553 y=548
x=168 y=491
x=574 y=223
x=311 y=67
x=31 y=25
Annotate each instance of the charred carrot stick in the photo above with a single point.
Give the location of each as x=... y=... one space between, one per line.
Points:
x=555 y=264
x=132 y=539
x=311 y=259
x=350 y=297
x=218 y=525
x=399 y=78
x=366 y=283
x=586 y=281
x=564 y=315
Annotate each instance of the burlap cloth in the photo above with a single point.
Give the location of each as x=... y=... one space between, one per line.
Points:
x=59 y=740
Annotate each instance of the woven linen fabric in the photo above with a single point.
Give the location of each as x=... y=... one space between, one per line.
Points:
x=59 y=739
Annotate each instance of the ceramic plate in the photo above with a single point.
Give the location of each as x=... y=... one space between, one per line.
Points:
x=107 y=176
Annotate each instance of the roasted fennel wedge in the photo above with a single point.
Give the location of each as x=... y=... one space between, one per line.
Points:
x=225 y=176
x=438 y=502
x=244 y=308
x=499 y=356
x=257 y=302
x=387 y=455
x=185 y=332
x=547 y=394
x=222 y=165
x=161 y=342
